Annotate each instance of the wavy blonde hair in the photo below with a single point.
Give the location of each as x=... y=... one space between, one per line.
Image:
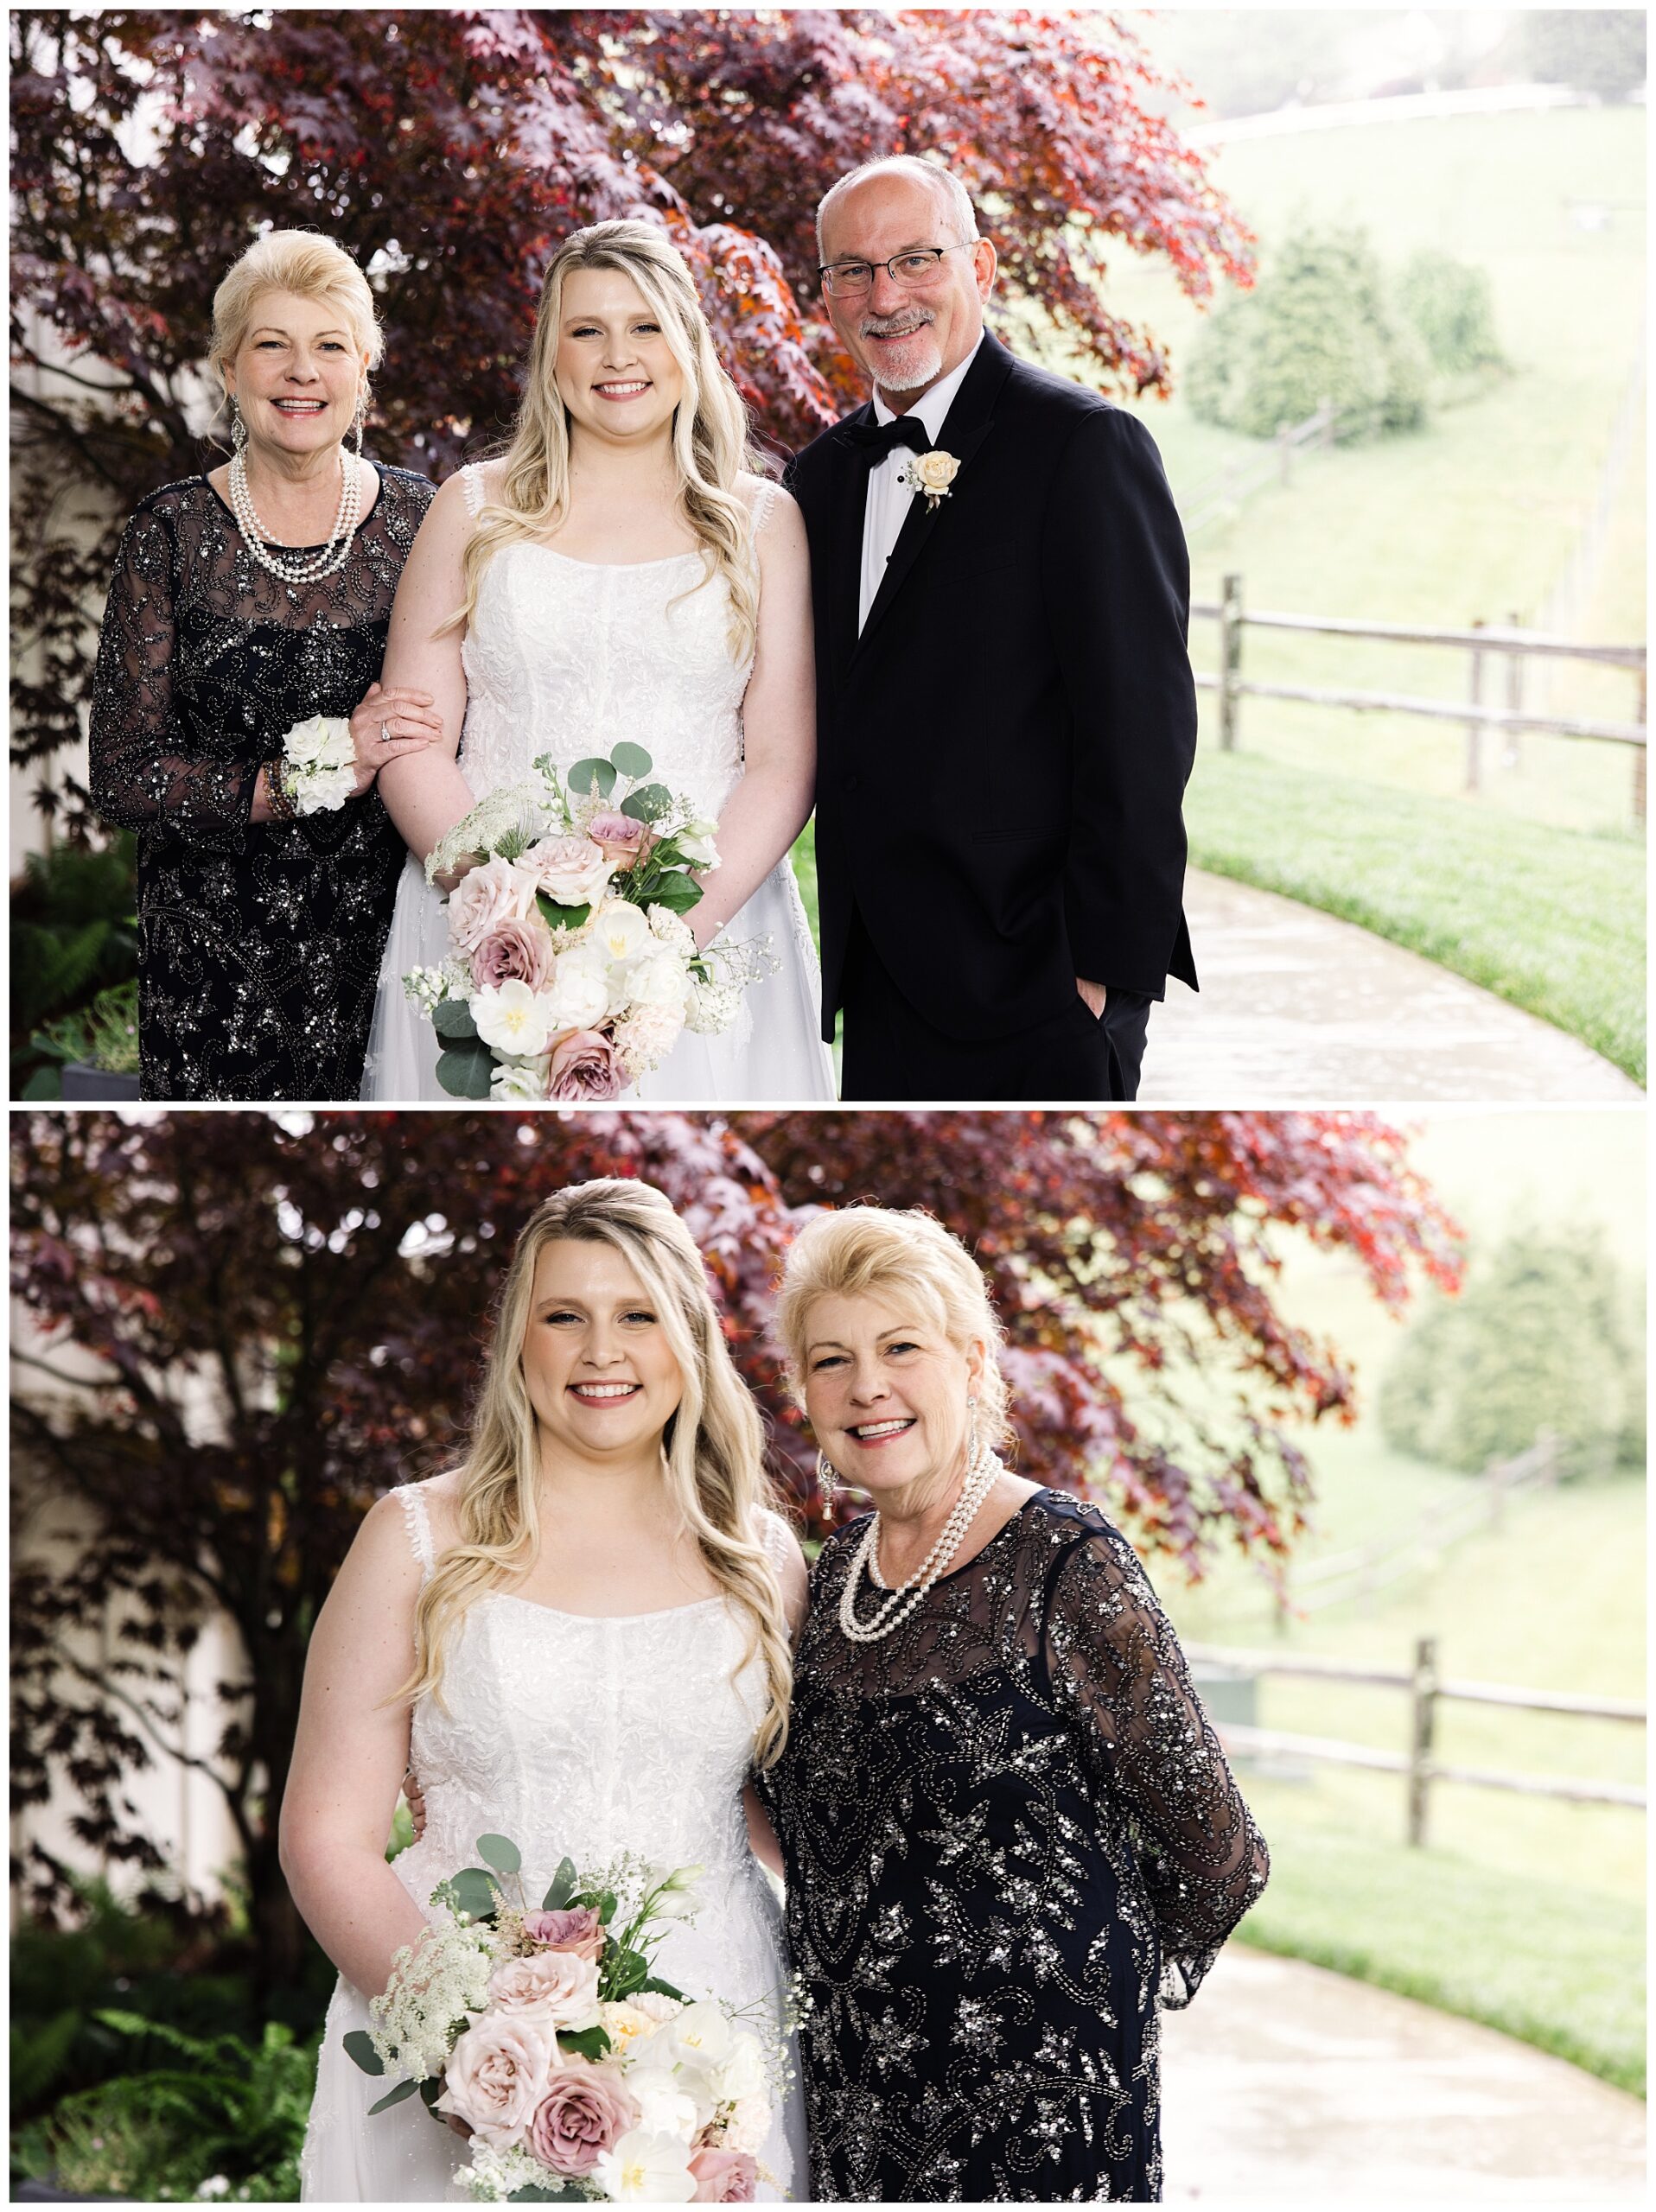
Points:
x=310 y=266
x=908 y=1258
x=712 y=1448
x=710 y=443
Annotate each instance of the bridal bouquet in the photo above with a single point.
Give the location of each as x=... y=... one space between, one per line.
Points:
x=582 y=2074
x=572 y=969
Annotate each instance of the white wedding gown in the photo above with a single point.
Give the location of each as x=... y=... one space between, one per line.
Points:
x=582 y=1737
x=568 y=658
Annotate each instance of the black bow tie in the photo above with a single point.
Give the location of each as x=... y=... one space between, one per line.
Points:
x=874 y=441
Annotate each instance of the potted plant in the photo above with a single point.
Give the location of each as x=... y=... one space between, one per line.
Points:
x=97 y=1046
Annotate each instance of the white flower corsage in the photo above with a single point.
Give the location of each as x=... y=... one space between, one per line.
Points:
x=320 y=772
x=931 y=473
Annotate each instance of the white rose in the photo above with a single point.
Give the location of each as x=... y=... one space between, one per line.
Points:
x=557 y=1986
x=315 y=739
x=578 y=996
x=700 y=2036
x=626 y=2022
x=663 y=2109
x=513 y=1019
x=671 y=929
x=620 y=929
x=524 y=1078
x=571 y=870
x=741 y=2075
x=658 y=978
x=324 y=789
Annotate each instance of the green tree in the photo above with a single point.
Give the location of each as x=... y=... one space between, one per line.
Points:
x=1544 y=1337
x=1319 y=324
x=1595 y=49
x=1449 y=302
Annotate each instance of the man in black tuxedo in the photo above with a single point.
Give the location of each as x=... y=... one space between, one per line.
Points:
x=1006 y=716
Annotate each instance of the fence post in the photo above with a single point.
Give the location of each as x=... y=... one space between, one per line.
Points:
x=1229 y=660
x=1475 y=730
x=1638 y=756
x=1423 y=1715
x=1514 y=697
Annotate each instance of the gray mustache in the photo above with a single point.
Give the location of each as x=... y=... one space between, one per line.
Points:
x=880 y=326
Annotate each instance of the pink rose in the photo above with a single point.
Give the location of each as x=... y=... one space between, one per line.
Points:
x=498 y=2072
x=514 y=952
x=580 y=1930
x=583 y=1067
x=556 y=1986
x=623 y=841
x=490 y=896
x=724 y=2177
x=585 y=2108
x=571 y=870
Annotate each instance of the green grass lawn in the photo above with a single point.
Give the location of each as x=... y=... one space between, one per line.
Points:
x=1552 y=919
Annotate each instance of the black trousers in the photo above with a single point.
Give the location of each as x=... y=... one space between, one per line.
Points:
x=892 y=1052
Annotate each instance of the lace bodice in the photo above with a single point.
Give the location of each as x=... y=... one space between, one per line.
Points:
x=637 y=1732
x=569 y=656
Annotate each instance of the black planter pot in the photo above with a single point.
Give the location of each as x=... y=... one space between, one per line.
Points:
x=89 y=1084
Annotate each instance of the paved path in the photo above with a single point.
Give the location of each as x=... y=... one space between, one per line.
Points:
x=1297 y=1008
x=1284 y=2082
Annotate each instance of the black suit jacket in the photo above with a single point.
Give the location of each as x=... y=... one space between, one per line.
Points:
x=1002 y=752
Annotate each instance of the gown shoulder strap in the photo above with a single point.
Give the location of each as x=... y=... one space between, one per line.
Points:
x=412 y=1501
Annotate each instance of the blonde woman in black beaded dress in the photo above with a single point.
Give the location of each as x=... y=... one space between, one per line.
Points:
x=1008 y=1832
x=245 y=602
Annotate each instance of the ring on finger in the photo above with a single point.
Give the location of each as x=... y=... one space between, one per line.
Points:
x=384 y=733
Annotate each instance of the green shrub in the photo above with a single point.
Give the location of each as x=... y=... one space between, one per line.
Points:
x=73 y=937
x=1449 y=303
x=1540 y=1338
x=1318 y=325
x=231 y=2110
x=102 y=1035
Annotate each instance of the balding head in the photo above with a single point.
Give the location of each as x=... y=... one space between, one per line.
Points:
x=953 y=201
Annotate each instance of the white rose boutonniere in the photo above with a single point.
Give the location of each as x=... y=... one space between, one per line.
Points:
x=933 y=473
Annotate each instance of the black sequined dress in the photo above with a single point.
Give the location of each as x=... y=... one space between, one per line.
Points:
x=259 y=943
x=1008 y=1831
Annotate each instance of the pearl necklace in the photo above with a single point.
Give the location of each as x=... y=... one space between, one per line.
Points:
x=312 y=567
x=898 y=1604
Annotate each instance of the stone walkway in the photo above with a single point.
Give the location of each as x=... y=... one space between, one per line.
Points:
x=1282 y=2083
x=1297 y=1008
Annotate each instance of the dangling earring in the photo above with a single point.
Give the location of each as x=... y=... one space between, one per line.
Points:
x=828 y=1480
x=238 y=427
x=360 y=418
x=971 y=1437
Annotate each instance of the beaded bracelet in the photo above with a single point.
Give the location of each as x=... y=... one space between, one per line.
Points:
x=276 y=794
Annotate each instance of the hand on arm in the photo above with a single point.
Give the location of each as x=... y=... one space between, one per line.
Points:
x=772 y=803
x=349 y=1756
x=1113 y=1650
x=426 y=794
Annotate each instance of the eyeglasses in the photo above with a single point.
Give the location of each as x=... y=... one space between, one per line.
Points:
x=847 y=279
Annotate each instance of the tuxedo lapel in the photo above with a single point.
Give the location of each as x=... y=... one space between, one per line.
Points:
x=968 y=423
x=845 y=582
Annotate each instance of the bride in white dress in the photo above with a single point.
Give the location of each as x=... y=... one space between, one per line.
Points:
x=606 y=1603
x=620 y=573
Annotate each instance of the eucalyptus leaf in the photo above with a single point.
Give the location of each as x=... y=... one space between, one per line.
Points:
x=585 y=2042
x=452 y=1020
x=464 y=1072
x=501 y=1854
x=563 y=1887
x=430 y=2090
x=589 y=776
x=647 y=802
x=393 y=2097
x=359 y=2045
x=560 y=918
x=474 y=1893
x=632 y=759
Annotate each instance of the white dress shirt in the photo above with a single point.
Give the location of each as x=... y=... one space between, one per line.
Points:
x=887 y=502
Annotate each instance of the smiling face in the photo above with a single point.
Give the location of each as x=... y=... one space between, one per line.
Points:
x=886 y=1391
x=296 y=376
x=600 y=1372
x=906 y=339
x=613 y=369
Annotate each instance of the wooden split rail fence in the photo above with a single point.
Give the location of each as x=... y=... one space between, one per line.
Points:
x=1513 y=645
x=1426 y=1689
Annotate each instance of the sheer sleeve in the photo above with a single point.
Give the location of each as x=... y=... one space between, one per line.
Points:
x=1112 y=1653
x=141 y=773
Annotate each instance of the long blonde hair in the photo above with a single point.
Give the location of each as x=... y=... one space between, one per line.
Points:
x=710 y=443
x=713 y=1450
